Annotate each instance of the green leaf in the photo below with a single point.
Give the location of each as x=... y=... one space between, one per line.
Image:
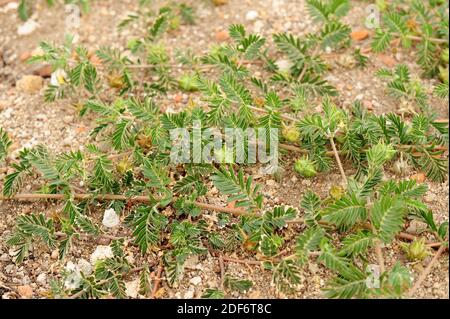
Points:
x=317 y=10
x=213 y=293
x=37 y=225
x=24 y=10
x=441 y=90
x=387 y=216
x=121 y=135
x=5 y=143
x=102 y=177
x=286 y=275
x=64 y=247
x=156 y=173
x=237 y=284
x=148 y=224
x=144 y=281
x=87 y=225
x=381 y=41
x=293 y=47
x=433 y=164
x=237 y=32
x=399 y=279
x=251 y=46
x=90 y=79
x=333 y=34
x=346 y=211
x=330 y=259
x=356 y=244
x=352 y=284
x=308 y=241
x=239 y=187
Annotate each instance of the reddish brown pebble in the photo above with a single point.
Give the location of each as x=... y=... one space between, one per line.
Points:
x=419 y=177
x=26 y=292
x=387 y=60
x=25 y=56
x=368 y=105
x=222 y=36
x=359 y=35
x=219 y=2
x=45 y=71
x=178 y=98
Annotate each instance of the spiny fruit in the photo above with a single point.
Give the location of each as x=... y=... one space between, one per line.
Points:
x=115 y=80
x=417 y=250
x=305 y=167
x=144 y=141
x=401 y=167
x=188 y=82
x=291 y=133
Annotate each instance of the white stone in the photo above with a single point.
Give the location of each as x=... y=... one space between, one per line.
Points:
x=271 y=182
x=42 y=279
x=283 y=65
x=430 y=198
x=110 y=218
x=130 y=259
x=191 y=262
x=10 y=6
x=27 y=28
x=73 y=280
x=132 y=288
x=12 y=252
x=196 y=280
x=101 y=252
x=189 y=294
x=70 y=266
x=84 y=266
x=251 y=15
x=258 y=26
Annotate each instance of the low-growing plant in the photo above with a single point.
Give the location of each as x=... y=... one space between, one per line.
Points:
x=162 y=203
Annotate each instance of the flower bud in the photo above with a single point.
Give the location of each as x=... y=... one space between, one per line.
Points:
x=123 y=166
x=115 y=80
x=336 y=192
x=305 y=167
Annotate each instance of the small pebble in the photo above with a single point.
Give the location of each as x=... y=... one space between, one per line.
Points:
x=251 y=15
